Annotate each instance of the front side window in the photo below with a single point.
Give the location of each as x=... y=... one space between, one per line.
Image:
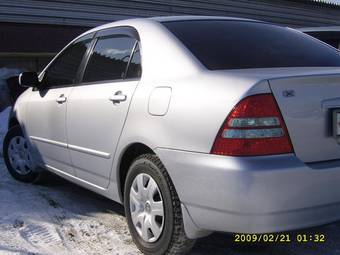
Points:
x=109 y=59
x=63 y=70
x=227 y=44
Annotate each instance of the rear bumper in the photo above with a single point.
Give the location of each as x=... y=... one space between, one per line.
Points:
x=254 y=194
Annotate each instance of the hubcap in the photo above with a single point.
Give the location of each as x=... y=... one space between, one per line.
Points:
x=146 y=208
x=19 y=156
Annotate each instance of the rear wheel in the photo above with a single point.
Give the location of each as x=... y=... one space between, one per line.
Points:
x=153 y=209
x=17 y=156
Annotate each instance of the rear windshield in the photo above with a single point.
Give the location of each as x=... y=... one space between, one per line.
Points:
x=226 y=44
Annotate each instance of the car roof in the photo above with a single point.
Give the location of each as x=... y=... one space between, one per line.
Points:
x=195 y=17
x=161 y=19
x=166 y=19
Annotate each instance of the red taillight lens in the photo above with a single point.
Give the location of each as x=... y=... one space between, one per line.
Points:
x=254 y=127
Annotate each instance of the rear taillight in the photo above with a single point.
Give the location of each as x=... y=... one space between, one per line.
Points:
x=254 y=127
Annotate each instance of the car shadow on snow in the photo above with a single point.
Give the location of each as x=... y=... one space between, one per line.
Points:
x=86 y=199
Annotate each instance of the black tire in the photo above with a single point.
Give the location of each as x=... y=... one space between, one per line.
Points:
x=173 y=239
x=32 y=176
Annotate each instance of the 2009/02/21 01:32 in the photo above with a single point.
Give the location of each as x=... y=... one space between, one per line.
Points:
x=279 y=238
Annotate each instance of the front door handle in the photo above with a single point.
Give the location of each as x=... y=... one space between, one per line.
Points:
x=118 y=97
x=61 y=99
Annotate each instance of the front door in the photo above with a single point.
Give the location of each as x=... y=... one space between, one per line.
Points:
x=97 y=108
x=46 y=111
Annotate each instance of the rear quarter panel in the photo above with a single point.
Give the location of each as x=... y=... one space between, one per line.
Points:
x=198 y=107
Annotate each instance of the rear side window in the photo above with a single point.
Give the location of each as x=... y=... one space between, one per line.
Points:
x=63 y=70
x=109 y=59
x=226 y=44
x=135 y=67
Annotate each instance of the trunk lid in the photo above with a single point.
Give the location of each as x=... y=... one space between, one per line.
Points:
x=306 y=103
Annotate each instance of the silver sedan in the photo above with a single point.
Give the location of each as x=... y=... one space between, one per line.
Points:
x=195 y=124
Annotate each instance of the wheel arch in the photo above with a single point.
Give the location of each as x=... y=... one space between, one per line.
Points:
x=131 y=152
x=13 y=121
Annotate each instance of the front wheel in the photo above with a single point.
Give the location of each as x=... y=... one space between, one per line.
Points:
x=17 y=156
x=153 y=209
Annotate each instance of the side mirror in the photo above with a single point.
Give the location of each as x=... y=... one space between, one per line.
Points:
x=29 y=79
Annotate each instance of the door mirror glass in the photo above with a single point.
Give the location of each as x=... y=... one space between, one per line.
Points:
x=29 y=79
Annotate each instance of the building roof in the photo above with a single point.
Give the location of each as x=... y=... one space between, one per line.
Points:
x=91 y=13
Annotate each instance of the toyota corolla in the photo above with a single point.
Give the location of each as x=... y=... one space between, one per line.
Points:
x=195 y=124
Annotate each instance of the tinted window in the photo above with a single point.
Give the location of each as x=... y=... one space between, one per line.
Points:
x=239 y=44
x=63 y=71
x=135 y=67
x=109 y=59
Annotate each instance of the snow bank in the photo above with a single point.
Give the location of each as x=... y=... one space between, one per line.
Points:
x=6 y=73
x=3 y=125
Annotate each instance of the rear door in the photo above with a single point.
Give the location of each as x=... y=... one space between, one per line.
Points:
x=306 y=104
x=46 y=125
x=98 y=106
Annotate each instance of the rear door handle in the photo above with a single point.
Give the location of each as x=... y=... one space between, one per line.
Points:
x=118 y=97
x=61 y=99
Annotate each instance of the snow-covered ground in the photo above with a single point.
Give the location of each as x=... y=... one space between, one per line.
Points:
x=59 y=218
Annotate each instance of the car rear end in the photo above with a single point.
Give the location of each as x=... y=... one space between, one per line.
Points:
x=273 y=163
